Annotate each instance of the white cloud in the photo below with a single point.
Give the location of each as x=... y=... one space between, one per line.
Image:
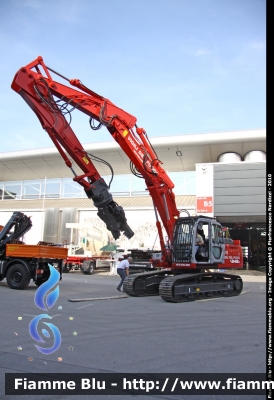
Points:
x=31 y=3
x=202 y=52
x=258 y=45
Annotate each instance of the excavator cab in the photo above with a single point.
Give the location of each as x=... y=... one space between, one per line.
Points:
x=185 y=249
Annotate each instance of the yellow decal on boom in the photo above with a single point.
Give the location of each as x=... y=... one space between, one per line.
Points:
x=86 y=160
x=125 y=133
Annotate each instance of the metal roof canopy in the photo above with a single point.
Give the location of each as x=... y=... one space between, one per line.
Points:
x=195 y=149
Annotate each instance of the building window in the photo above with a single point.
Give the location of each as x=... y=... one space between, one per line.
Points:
x=122 y=185
x=190 y=185
x=12 y=190
x=184 y=182
x=138 y=187
x=50 y=188
x=71 y=189
x=31 y=189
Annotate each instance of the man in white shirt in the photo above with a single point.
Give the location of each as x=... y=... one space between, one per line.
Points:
x=123 y=271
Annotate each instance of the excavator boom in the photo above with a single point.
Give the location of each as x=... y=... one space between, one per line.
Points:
x=54 y=102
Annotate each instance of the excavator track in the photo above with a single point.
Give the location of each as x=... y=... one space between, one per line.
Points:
x=145 y=283
x=183 y=287
x=191 y=287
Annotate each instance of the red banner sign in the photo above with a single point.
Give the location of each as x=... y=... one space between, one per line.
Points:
x=204 y=205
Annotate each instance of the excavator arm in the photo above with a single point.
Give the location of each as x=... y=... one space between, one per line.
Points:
x=53 y=103
x=50 y=102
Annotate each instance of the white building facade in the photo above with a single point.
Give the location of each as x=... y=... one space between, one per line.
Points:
x=218 y=174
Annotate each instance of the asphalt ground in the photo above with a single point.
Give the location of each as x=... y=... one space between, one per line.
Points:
x=117 y=333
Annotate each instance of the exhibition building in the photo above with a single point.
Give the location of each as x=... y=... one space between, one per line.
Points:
x=220 y=174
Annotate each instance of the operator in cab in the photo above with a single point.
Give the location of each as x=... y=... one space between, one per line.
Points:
x=198 y=242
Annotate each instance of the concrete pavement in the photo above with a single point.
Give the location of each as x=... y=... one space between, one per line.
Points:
x=136 y=335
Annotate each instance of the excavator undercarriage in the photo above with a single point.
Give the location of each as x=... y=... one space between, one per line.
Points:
x=183 y=287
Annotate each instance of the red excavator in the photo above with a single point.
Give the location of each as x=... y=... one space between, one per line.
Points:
x=181 y=271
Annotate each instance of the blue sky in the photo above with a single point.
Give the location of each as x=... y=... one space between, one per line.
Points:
x=179 y=66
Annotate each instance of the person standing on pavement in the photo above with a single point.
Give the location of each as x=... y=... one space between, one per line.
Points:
x=123 y=271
